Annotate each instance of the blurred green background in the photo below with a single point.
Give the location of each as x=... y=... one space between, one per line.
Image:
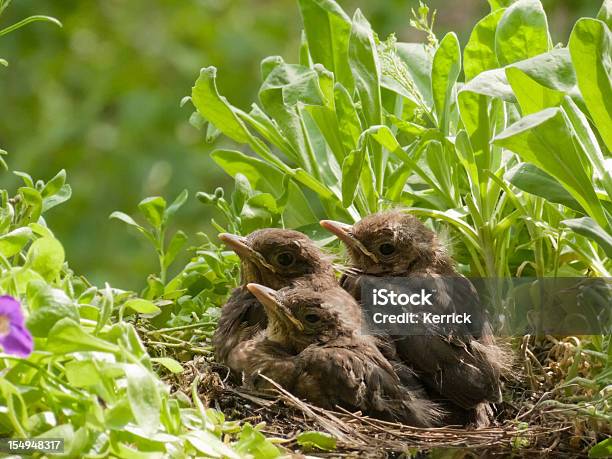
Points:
x=100 y=98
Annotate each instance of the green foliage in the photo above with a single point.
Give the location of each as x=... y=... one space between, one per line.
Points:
x=515 y=161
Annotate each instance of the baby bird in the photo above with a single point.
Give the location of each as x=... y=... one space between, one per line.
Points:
x=462 y=370
x=275 y=258
x=313 y=349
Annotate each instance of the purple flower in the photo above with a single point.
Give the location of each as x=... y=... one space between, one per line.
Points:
x=14 y=336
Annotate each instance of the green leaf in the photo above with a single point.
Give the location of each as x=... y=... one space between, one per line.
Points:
x=590 y=229
x=529 y=178
x=545 y=140
x=209 y=445
x=328 y=29
x=253 y=443
x=216 y=109
x=143 y=395
x=153 y=209
x=531 y=96
x=364 y=62
x=590 y=45
x=479 y=53
x=176 y=244
x=349 y=125
x=33 y=200
x=602 y=449
x=67 y=336
x=48 y=305
x=320 y=440
x=351 y=172
x=522 y=32
x=142 y=306
x=180 y=200
x=46 y=256
x=284 y=87
x=60 y=196
x=11 y=243
x=266 y=178
x=82 y=373
x=169 y=363
x=445 y=71
x=605 y=13
x=55 y=184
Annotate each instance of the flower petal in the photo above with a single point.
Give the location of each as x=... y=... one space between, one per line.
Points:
x=10 y=307
x=18 y=342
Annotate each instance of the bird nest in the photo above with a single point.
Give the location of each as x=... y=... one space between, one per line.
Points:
x=530 y=423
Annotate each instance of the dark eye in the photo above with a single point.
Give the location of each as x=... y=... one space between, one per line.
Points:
x=285 y=259
x=311 y=318
x=386 y=248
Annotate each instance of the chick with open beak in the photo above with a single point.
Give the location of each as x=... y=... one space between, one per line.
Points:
x=327 y=361
x=275 y=258
x=463 y=371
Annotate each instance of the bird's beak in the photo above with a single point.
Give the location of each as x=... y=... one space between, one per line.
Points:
x=269 y=298
x=241 y=246
x=344 y=232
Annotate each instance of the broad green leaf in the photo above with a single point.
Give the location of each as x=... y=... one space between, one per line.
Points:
x=351 y=172
x=82 y=373
x=125 y=218
x=55 y=184
x=143 y=395
x=522 y=32
x=153 y=209
x=363 y=57
x=531 y=96
x=553 y=69
x=252 y=442
x=529 y=178
x=48 y=305
x=33 y=199
x=67 y=336
x=180 y=200
x=215 y=108
x=209 y=445
x=587 y=141
x=176 y=244
x=320 y=440
x=603 y=448
x=11 y=243
x=266 y=178
x=60 y=196
x=285 y=86
x=328 y=29
x=479 y=53
x=142 y=306
x=364 y=62
x=46 y=256
x=590 y=229
x=590 y=45
x=605 y=13
x=169 y=363
x=349 y=126
x=545 y=140
x=444 y=74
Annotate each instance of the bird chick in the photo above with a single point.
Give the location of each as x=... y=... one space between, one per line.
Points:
x=275 y=258
x=461 y=370
x=333 y=364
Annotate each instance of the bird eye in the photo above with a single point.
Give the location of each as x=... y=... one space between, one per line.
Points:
x=311 y=318
x=386 y=248
x=285 y=259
